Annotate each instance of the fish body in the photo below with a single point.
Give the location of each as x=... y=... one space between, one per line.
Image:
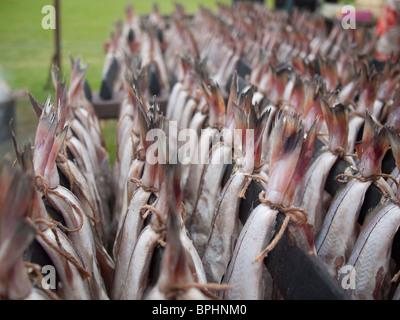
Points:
x=372 y=253
x=339 y=230
x=243 y=273
x=126 y=239
x=222 y=237
x=311 y=189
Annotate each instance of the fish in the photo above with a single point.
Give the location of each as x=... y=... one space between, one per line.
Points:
x=225 y=224
x=175 y=281
x=370 y=257
x=340 y=228
x=311 y=189
x=131 y=222
x=291 y=154
x=15 y=233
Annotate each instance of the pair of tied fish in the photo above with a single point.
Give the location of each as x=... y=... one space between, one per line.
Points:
x=336 y=229
x=152 y=222
x=366 y=248
x=291 y=152
x=67 y=211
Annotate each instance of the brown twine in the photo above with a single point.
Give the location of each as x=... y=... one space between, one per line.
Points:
x=147 y=209
x=249 y=178
x=84 y=274
x=39 y=278
x=296 y=215
x=396 y=277
x=138 y=155
x=144 y=187
x=203 y=287
x=374 y=178
x=46 y=190
x=183 y=215
x=341 y=153
x=160 y=228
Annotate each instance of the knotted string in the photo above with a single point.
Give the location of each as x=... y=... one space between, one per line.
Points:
x=143 y=186
x=44 y=188
x=374 y=178
x=297 y=215
x=85 y=274
x=249 y=178
x=39 y=278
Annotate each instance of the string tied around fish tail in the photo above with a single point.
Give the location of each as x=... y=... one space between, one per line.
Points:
x=249 y=179
x=295 y=214
x=44 y=188
x=374 y=178
x=39 y=277
x=203 y=287
x=158 y=227
x=143 y=186
x=183 y=215
x=147 y=209
x=396 y=277
x=339 y=151
x=58 y=248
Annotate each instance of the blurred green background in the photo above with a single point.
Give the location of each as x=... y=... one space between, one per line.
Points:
x=26 y=49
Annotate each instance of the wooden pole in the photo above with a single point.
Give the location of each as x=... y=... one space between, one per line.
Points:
x=57 y=57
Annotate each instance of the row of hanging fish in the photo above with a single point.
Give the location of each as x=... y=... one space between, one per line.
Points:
x=168 y=229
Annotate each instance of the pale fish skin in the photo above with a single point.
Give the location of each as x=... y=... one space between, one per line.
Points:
x=194 y=256
x=225 y=230
x=126 y=240
x=37 y=294
x=372 y=253
x=139 y=265
x=244 y=274
x=190 y=193
x=73 y=286
x=340 y=228
x=210 y=189
x=173 y=98
x=355 y=123
x=136 y=171
x=83 y=238
x=186 y=165
x=88 y=196
x=311 y=188
x=178 y=267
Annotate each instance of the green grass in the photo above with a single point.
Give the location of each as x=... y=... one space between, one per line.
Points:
x=26 y=49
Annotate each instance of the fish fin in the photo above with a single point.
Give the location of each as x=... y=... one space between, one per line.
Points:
x=37 y=107
x=233 y=96
x=306 y=152
x=336 y=118
x=373 y=147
